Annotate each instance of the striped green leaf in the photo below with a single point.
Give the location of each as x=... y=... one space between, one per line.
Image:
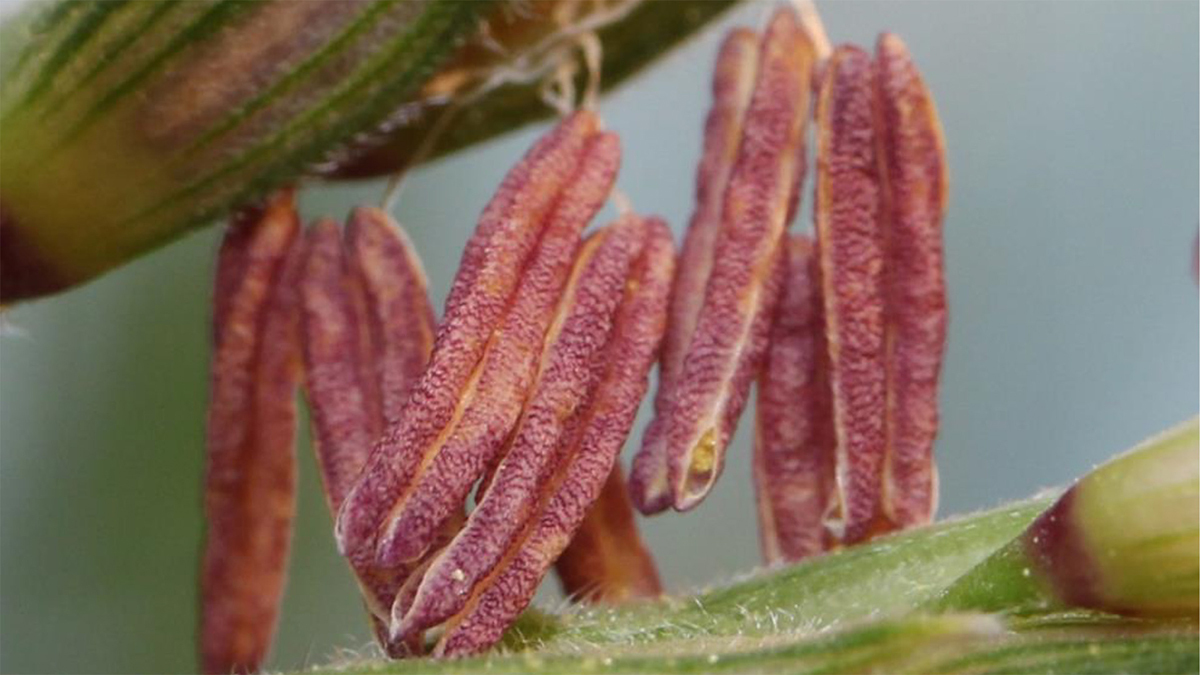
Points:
x=125 y=123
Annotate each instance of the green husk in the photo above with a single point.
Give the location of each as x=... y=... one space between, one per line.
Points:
x=1125 y=538
x=124 y=124
x=649 y=30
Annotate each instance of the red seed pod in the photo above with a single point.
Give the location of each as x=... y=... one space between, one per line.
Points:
x=793 y=441
x=913 y=173
x=250 y=478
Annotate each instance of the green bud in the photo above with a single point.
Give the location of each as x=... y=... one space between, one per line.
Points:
x=1124 y=539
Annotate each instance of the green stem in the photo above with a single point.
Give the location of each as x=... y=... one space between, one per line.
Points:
x=174 y=129
x=910 y=602
x=125 y=124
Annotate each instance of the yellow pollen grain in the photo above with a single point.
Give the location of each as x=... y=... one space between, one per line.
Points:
x=704 y=453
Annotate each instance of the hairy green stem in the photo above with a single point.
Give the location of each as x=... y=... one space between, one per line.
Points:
x=912 y=602
x=818 y=617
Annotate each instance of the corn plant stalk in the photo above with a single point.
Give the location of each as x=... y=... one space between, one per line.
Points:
x=124 y=124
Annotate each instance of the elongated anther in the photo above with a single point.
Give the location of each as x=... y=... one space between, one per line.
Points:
x=362 y=305
x=506 y=374
x=413 y=642
x=607 y=561
x=913 y=172
x=793 y=439
x=342 y=419
x=552 y=417
x=620 y=376
x=488 y=319
x=731 y=330
x=251 y=474
x=732 y=85
x=492 y=264
x=852 y=261
x=396 y=299
x=342 y=423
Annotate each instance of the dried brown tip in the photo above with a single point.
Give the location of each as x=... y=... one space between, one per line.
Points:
x=793 y=441
x=913 y=171
x=250 y=478
x=730 y=336
x=852 y=259
x=607 y=561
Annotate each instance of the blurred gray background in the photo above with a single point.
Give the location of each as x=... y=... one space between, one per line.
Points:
x=1072 y=131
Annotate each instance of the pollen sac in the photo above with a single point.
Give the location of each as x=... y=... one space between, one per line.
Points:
x=912 y=157
x=851 y=247
x=367 y=333
x=250 y=480
x=793 y=440
x=733 y=83
x=534 y=378
x=553 y=416
x=592 y=378
x=395 y=299
x=880 y=201
x=725 y=331
x=607 y=562
x=344 y=418
x=459 y=412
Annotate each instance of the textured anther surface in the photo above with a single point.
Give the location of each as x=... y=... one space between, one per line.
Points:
x=585 y=455
x=730 y=335
x=852 y=259
x=490 y=407
x=492 y=267
x=363 y=304
x=732 y=85
x=912 y=156
x=607 y=561
x=579 y=330
x=793 y=440
x=250 y=475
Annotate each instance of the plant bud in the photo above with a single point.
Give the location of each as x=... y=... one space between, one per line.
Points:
x=1124 y=539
